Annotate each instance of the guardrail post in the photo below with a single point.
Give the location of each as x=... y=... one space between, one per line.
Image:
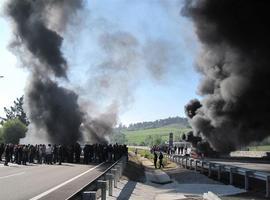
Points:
x=196 y=165
x=182 y=161
x=190 y=163
x=186 y=164
x=102 y=185
x=114 y=172
x=232 y=170
x=210 y=165
x=202 y=169
x=220 y=168
x=89 y=195
x=119 y=170
x=110 y=178
x=267 y=181
x=247 y=173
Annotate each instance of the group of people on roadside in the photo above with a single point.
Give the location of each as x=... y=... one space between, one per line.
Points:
x=52 y=154
x=180 y=150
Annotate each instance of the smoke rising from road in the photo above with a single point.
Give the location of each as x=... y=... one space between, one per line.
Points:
x=53 y=110
x=234 y=63
x=57 y=114
x=125 y=63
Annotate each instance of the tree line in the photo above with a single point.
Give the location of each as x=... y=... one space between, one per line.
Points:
x=182 y=121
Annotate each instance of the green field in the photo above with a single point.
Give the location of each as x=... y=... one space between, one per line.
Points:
x=260 y=148
x=139 y=137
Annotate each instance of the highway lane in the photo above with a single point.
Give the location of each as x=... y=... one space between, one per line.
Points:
x=18 y=182
x=263 y=167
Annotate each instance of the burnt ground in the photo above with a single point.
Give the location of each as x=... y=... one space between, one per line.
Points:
x=134 y=170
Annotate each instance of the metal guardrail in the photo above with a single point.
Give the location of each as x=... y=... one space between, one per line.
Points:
x=209 y=167
x=111 y=175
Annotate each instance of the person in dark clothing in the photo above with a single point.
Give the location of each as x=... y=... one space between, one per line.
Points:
x=20 y=154
x=86 y=151
x=55 y=154
x=77 y=151
x=181 y=150
x=160 y=160
x=155 y=159
x=7 y=155
x=2 y=149
x=60 y=154
x=24 y=154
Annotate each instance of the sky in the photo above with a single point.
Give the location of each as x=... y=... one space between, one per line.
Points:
x=144 y=94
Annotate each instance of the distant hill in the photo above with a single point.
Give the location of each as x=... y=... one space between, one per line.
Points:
x=177 y=122
x=149 y=136
x=151 y=133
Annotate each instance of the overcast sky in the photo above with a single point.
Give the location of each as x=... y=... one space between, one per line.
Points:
x=151 y=95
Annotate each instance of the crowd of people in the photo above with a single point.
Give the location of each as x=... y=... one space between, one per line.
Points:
x=180 y=150
x=56 y=154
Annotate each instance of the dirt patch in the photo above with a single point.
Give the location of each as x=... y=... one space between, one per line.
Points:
x=134 y=170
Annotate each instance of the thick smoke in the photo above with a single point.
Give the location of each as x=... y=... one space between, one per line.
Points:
x=234 y=63
x=53 y=110
x=125 y=63
x=99 y=128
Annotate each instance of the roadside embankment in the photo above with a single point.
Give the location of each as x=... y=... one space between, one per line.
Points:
x=172 y=182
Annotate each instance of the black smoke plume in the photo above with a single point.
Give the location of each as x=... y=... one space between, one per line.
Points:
x=53 y=110
x=234 y=63
x=56 y=110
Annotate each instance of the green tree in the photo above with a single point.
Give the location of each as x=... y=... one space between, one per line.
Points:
x=16 y=112
x=13 y=130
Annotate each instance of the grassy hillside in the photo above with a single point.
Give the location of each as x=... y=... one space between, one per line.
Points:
x=139 y=137
x=260 y=148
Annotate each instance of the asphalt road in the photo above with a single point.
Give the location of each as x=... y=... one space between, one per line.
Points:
x=19 y=182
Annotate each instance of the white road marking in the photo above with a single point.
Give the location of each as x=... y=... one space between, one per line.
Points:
x=64 y=183
x=11 y=175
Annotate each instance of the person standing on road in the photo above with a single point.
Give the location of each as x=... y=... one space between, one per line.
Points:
x=160 y=160
x=60 y=154
x=49 y=154
x=155 y=159
x=2 y=149
x=7 y=155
